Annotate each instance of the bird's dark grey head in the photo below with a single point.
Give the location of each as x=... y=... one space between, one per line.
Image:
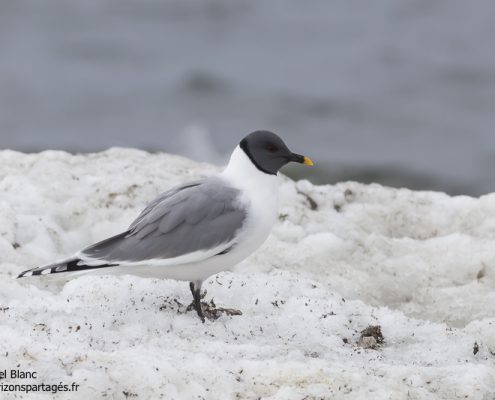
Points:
x=268 y=152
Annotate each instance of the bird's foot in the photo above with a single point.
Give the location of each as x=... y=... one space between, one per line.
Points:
x=210 y=310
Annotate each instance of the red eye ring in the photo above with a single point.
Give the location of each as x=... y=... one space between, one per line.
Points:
x=271 y=148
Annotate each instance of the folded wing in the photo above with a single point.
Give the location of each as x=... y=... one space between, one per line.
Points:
x=187 y=222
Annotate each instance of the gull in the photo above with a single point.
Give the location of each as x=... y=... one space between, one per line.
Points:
x=197 y=229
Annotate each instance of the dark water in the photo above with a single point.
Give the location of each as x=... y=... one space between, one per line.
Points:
x=398 y=92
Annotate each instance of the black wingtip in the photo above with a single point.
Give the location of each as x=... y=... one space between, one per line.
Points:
x=71 y=265
x=23 y=274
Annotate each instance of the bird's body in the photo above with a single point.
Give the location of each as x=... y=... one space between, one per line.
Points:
x=197 y=229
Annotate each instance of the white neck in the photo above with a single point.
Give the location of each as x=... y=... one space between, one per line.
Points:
x=243 y=174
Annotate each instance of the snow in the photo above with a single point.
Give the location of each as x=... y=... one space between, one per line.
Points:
x=419 y=264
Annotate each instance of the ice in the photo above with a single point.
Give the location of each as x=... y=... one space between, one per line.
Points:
x=341 y=258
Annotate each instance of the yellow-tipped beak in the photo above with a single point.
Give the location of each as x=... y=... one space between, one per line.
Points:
x=308 y=161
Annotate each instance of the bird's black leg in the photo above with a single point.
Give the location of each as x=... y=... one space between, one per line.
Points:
x=191 y=286
x=196 y=293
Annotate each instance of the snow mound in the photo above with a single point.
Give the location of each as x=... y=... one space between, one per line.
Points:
x=416 y=268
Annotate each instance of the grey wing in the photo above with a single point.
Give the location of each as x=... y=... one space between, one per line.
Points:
x=190 y=218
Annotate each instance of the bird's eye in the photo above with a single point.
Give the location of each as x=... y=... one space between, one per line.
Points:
x=271 y=147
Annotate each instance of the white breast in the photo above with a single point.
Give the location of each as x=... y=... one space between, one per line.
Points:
x=259 y=196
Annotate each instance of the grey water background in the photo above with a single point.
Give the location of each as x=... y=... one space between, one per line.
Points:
x=389 y=91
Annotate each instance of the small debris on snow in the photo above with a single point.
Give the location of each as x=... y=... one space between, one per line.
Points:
x=313 y=205
x=367 y=342
x=371 y=337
